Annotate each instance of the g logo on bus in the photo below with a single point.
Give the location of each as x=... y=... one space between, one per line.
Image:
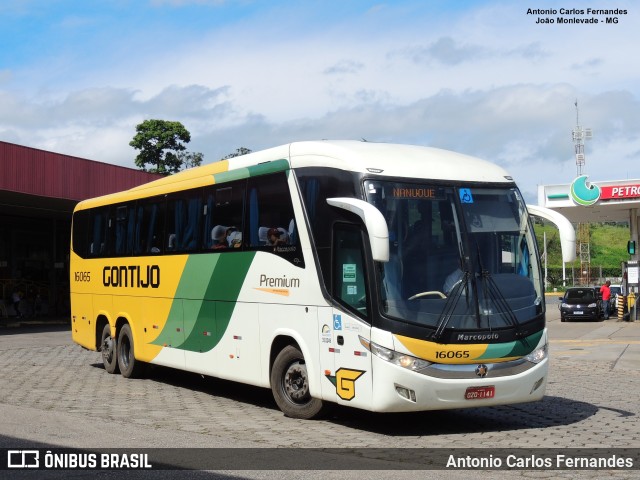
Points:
x=482 y=370
x=345 y=382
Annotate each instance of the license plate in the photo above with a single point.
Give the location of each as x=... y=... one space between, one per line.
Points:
x=478 y=393
x=578 y=312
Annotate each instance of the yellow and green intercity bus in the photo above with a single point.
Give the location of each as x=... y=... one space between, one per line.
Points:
x=384 y=277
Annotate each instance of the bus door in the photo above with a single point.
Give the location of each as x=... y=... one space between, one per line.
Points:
x=352 y=362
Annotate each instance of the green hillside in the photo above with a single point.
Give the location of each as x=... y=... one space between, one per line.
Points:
x=608 y=245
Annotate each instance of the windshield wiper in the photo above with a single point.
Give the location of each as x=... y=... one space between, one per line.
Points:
x=492 y=292
x=454 y=296
x=451 y=304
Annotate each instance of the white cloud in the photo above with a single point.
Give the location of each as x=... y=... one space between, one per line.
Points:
x=445 y=50
x=486 y=81
x=344 y=67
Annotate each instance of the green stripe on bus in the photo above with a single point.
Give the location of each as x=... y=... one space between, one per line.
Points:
x=193 y=283
x=253 y=171
x=231 y=175
x=268 y=167
x=225 y=283
x=207 y=292
x=518 y=348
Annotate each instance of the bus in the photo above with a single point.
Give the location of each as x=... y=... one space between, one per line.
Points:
x=385 y=277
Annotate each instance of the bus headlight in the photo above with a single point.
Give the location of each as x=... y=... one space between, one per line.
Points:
x=405 y=361
x=538 y=355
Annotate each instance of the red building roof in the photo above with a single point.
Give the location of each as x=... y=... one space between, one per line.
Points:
x=47 y=174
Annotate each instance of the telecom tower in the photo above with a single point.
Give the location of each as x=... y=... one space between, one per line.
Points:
x=579 y=135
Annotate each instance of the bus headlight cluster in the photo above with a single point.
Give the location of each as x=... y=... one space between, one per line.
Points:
x=538 y=354
x=405 y=361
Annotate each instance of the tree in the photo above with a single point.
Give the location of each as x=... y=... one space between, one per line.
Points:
x=238 y=153
x=160 y=143
x=190 y=159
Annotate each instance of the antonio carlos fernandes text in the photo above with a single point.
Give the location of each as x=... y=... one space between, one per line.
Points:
x=533 y=461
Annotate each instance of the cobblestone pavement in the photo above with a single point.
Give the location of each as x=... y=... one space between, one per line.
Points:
x=592 y=400
x=588 y=404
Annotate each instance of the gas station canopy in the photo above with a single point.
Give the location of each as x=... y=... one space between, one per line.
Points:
x=584 y=202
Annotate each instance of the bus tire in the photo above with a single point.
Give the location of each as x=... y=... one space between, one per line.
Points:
x=290 y=385
x=129 y=366
x=108 y=350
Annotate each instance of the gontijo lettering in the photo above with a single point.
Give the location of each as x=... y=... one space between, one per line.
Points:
x=133 y=276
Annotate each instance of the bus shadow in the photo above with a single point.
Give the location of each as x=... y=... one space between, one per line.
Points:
x=238 y=392
x=216 y=387
x=27 y=327
x=550 y=412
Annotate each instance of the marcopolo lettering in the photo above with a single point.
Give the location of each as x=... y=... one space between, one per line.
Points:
x=132 y=276
x=477 y=337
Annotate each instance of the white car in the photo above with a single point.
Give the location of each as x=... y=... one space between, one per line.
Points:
x=616 y=291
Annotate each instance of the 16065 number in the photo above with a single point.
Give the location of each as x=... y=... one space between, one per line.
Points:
x=83 y=276
x=451 y=354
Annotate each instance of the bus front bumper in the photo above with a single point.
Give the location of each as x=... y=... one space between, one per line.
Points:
x=396 y=389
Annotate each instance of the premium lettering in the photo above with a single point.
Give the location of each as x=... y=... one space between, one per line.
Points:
x=132 y=276
x=279 y=282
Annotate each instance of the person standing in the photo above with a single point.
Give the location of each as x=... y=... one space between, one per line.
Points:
x=16 y=297
x=605 y=291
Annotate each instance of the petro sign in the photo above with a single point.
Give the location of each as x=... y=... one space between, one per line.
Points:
x=583 y=192
x=620 y=192
x=586 y=193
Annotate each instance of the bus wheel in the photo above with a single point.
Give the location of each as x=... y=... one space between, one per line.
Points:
x=108 y=349
x=290 y=385
x=129 y=366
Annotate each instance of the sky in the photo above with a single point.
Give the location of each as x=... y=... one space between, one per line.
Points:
x=480 y=77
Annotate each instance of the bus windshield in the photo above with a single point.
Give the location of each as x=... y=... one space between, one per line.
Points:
x=460 y=257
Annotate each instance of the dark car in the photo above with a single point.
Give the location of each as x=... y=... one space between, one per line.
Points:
x=581 y=303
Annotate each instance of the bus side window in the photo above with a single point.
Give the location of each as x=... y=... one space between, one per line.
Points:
x=124 y=224
x=80 y=232
x=222 y=209
x=98 y=227
x=149 y=227
x=208 y=225
x=349 y=281
x=184 y=212
x=270 y=212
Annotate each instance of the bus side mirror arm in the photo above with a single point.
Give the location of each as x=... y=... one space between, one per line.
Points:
x=373 y=220
x=567 y=232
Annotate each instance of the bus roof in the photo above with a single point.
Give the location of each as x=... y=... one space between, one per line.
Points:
x=387 y=159
x=396 y=160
